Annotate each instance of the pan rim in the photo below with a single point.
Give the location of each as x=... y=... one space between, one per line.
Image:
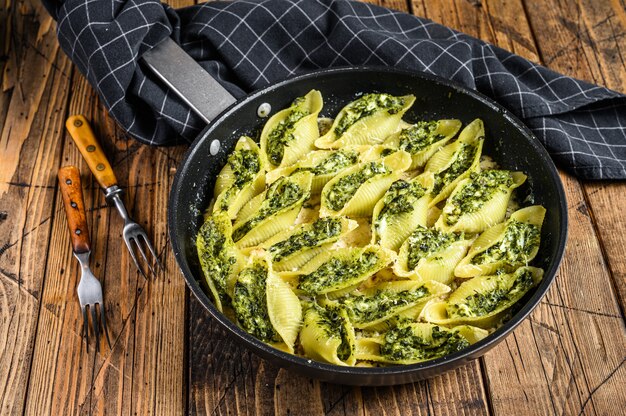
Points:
x=422 y=370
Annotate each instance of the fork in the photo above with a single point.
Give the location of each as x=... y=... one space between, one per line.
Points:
x=134 y=235
x=89 y=288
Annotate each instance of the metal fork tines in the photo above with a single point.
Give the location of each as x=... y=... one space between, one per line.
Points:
x=90 y=297
x=135 y=236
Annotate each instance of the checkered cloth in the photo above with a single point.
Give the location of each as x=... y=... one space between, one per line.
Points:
x=248 y=45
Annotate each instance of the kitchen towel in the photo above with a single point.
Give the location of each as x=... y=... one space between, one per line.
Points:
x=251 y=44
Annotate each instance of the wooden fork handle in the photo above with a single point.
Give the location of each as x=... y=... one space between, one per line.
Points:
x=72 y=192
x=86 y=141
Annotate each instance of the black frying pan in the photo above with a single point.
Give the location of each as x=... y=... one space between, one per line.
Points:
x=508 y=141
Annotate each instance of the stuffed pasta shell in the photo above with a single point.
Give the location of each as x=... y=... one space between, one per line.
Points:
x=507 y=245
x=403 y=207
x=483 y=300
x=219 y=259
x=480 y=201
x=334 y=271
x=292 y=248
x=241 y=178
x=291 y=133
x=411 y=343
x=323 y=164
x=454 y=162
x=430 y=254
x=422 y=139
x=369 y=307
x=264 y=305
x=367 y=120
x=356 y=190
x=273 y=210
x=327 y=335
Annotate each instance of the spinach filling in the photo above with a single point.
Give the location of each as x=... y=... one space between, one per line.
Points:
x=282 y=134
x=321 y=231
x=281 y=194
x=344 y=189
x=334 y=324
x=463 y=161
x=400 y=199
x=365 y=107
x=384 y=303
x=477 y=192
x=483 y=303
x=401 y=343
x=419 y=136
x=216 y=262
x=335 y=162
x=336 y=271
x=250 y=303
x=425 y=242
x=517 y=245
x=245 y=164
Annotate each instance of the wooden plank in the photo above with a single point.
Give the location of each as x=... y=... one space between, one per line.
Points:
x=561 y=355
x=31 y=122
x=144 y=372
x=604 y=24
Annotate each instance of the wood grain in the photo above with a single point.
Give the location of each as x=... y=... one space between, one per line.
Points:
x=89 y=146
x=31 y=121
x=169 y=357
x=72 y=194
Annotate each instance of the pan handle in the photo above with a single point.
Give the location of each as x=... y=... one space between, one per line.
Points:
x=188 y=79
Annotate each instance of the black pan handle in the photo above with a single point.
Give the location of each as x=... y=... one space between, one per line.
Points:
x=188 y=79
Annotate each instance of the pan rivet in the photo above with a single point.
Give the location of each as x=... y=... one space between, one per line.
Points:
x=264 y=110
x=215 y=147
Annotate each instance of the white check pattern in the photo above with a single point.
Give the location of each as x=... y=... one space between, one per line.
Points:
x=250 y=44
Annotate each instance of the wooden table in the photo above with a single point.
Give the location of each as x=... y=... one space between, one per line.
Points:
x=168 y=356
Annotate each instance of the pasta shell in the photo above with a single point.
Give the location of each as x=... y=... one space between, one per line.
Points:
x=241 y=178
x=454 y=162
x=410 y=343
x=280 y=206
x=294 y=247
x=284 y=310
x=219 y=258
x=423 y=139
x=323 y=164
x=291 y=133
x=403 y=207
x=479 y=202
x=327 y=335
x=506 y=245
x=369 y=307
x=483 y=300
x=436 y=262
x=366 y=121
x=339 y=269
x=356 y=190
x=250 y=299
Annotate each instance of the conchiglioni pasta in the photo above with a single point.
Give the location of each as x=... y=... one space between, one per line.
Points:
x=364 y=246
x=508 y=245
x=454 y=162
x=422 y=139
x=367 y=120
x=242 y=178
x=290 y=133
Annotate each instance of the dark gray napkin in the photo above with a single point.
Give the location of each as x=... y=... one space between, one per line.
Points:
x=250 y=44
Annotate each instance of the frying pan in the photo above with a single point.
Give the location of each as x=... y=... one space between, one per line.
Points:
x=508 y=142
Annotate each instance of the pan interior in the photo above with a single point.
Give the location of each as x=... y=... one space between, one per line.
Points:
x=507 y=141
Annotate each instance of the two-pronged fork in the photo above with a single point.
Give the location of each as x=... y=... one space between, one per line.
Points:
x=89 y=288
x=134 y=234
